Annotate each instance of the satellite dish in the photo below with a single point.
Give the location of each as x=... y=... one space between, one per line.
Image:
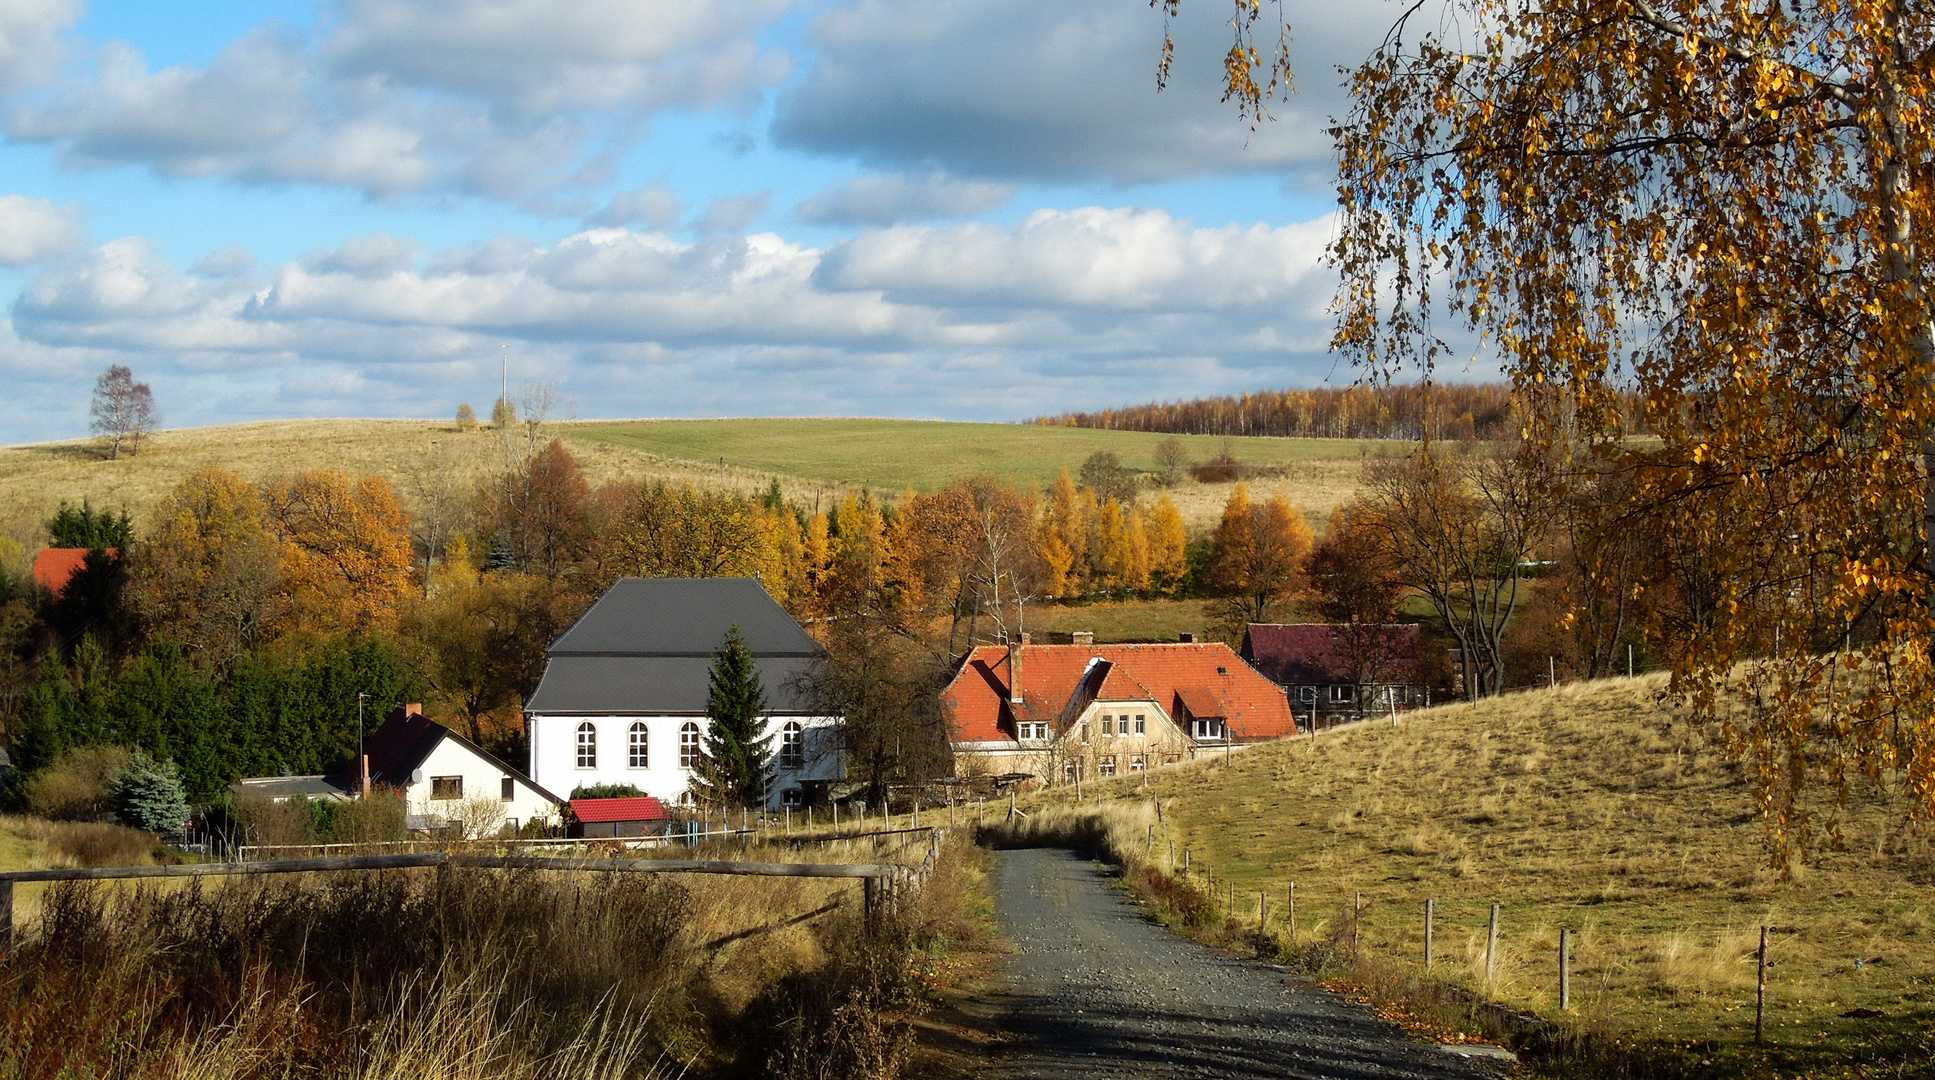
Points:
x=416 y=777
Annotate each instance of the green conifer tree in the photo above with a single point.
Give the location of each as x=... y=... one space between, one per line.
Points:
x=148 y=795
x=737 y=757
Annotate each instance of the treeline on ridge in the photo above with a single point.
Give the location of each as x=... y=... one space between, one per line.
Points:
x=1480 y=411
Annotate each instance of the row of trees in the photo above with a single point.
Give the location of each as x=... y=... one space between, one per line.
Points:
x=1460 y=411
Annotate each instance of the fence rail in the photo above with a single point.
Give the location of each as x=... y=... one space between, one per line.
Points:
x=878 y=877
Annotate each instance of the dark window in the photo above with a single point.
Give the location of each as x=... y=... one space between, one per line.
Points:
x=1138 y=762
x=446 y=787
x=637 y=754
x=509 y=789
x=1141 y=724
x=587 y=746
x=1107 y=765
x=792 y=746
x=688 y=746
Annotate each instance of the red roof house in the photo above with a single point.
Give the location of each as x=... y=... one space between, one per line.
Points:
x=1061 y=711
x=55 y=567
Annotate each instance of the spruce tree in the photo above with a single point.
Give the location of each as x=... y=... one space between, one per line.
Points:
x=737 y=757
x=148 y=795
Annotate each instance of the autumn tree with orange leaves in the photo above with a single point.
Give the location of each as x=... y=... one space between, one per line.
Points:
x=1257 y=559
x=1723 y=207
x=346 y=560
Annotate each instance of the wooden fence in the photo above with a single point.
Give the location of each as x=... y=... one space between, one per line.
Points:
x=881 y=881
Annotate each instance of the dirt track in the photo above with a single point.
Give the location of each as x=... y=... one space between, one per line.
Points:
x=1098 y=990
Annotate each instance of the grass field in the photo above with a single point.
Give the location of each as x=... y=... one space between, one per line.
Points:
x=1586 y=808
x=890 y=455
x=816 y=461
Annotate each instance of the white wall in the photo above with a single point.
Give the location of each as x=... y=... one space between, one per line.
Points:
x=482 y=779
x=554 y=753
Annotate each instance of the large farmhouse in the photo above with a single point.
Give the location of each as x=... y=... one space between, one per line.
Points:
x=1063 y=712
x=1339 y=672
x=623 y=698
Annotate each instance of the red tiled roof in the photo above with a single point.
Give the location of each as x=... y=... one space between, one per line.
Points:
x=642 y=808
x=54 y=567
x=1201 y=701
x=1305 y=654
x=977 y=709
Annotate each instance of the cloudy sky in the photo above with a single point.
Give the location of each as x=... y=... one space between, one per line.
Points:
x=965 y=209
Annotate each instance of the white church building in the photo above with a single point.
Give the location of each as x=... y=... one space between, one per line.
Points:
x=623 y=698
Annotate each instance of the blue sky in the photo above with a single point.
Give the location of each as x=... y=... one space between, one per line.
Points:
x=965 y=209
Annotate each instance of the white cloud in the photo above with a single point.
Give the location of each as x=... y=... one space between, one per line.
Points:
x=1021 y=89
x=887 y=200
x=31 y=45
x=654 y=204
x=733 y=213
x=505 y=98
x=32 y=230
x=1066 y=309
x=377 y=256
x=1089 y=257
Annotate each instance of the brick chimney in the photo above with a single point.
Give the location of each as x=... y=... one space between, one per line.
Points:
x=363 y=770
x=1084 y=638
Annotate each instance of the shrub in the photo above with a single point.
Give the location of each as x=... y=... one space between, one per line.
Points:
x=75 y=787
x=374 y=820
x=87 y=843
x=606 y=791
x=147 y=794
x=466 y=416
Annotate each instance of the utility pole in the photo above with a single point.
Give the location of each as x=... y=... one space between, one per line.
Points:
x=507 y=373
x=360 y=699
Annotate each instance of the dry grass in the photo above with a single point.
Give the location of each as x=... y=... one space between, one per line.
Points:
x=1587 y=808
x=814 y=460
x=35 y=478
x=475 y=974
x=28 y=843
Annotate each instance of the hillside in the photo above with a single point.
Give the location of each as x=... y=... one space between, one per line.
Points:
x=1589 y=808
x=813 y=459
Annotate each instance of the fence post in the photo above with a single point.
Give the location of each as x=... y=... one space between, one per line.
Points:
x=1565 y=970
x=1185 y=859
x=1430 y=911
x=982 y=806
x=1232 y=899
x=1262 y=910
x=1293 y=913
x=1011 y=804
x=1356 y=918
x=1760 y=991
x=1491 y=949
x=6 y=914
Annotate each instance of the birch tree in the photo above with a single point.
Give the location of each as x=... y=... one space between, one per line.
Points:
x=1722 y=206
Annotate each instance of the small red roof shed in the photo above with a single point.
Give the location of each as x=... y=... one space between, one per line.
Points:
x=642 y=808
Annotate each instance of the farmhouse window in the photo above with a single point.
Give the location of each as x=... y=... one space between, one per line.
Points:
x=507 y=789
x=1072 y=771
x=1107 y=765
x=1208 y=729
x=1084 y=731
x=638 y=752
x=587 y=746
x=1034 y=731
x=1141 y=724
x=446 y=787
x=688 y=745
x=792 y=746
x=1138 y=762
x=1307 y=694
x=1108 y=724
x=1339 y=694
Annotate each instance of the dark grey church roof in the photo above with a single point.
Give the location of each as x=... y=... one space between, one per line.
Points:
x=683 y=617
x=645 y=649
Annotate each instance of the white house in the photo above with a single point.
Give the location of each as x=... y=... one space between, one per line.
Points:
x=447 y=780
x=623 y=698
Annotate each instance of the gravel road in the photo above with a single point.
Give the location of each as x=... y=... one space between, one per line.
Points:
x=1098 y=990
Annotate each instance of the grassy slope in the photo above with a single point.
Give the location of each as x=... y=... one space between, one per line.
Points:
x=815 y=459
x=1584 y=808
x=891 y=455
